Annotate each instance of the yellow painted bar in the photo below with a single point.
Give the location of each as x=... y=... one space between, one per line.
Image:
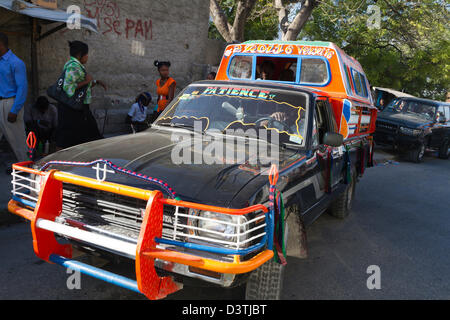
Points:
x=103 y=186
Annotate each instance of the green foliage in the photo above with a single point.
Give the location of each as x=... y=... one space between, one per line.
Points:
x=410 y=50
x=261 y=25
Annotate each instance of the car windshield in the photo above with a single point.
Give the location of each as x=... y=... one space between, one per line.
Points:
x=240 y=109
x=421 y=109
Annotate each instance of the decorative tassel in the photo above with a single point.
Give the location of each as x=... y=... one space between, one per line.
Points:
x=348 y=175
x=279 y=233
x=370 y=160
x=31 y=143
x=362 y=152
x=329 y=171
x=277 y=207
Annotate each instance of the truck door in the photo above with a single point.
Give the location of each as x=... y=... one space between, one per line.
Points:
x=440 y=127
x=327 y=123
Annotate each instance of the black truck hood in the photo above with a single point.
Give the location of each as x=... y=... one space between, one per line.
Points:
x=404 y=119
x=150 y=153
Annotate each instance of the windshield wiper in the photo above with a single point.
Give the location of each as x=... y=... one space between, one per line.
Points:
x=182 y=126
x=175 y=125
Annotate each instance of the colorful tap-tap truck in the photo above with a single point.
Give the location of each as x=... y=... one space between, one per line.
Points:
x=168 y=202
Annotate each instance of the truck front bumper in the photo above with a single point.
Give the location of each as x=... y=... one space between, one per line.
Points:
x=400 y=141
x=149 y=249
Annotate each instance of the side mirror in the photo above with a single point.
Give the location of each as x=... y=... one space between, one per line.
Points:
x=333 y=139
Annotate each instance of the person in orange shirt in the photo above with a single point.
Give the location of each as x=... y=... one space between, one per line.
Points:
x=165 y=86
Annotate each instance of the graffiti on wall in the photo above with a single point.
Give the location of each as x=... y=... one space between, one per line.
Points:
x=110 y=20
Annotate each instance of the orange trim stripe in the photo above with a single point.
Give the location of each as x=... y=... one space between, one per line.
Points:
x=204 y=207
x=15 y=208
x=235 y=267
x=22 y=166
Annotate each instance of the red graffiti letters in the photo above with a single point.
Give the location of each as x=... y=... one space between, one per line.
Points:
x=109 y=20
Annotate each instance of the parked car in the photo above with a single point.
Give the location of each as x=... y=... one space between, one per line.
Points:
x=384 y=96
x=149 y=200
x=413 y=125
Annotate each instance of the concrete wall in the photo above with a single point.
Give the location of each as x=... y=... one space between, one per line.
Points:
x=132 y=35
x=214 y=52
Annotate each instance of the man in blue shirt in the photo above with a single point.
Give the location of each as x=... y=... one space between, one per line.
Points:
x=13 y=93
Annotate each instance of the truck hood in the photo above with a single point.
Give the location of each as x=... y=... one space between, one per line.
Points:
x=403 y=119
x=152 y=152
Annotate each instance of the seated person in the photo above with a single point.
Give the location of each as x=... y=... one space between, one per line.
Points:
x=381 y=104
x=288 y=118
x=137 y=116
x=440 y=117
x=286 y=122
x=287 y=75
x=211 y=76
x=267 y=69
x=42 y=119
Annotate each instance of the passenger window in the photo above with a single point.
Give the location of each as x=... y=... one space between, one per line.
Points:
x=357 y=82
x=241 y=67
x=313 y=71
x=363 y=83
x=276 y=69
x=347 y=76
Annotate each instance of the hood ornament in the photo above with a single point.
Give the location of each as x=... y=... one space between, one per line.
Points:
x=101 y=171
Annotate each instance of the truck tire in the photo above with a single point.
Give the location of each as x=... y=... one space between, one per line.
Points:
x=443 y=150
x=266 y=282
x=416 y=155
x=341 y=207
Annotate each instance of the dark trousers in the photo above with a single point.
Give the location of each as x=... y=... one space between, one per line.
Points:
x=75 y=126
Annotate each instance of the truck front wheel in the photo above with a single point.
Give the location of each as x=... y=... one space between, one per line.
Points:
x=416 y=155
x=443 y=150
x=266 y=282
x=340 y=208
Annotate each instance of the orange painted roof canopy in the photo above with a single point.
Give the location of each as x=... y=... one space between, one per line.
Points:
x=315 y=64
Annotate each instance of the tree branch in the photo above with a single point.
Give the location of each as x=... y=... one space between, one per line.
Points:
x=291 y=30
x=220 y=20
x=300 y=19
x=233 y=32
x=243 y=10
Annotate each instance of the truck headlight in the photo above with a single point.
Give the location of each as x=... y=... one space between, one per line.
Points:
x=217 y=226
x=35 y=185
x=410 y=132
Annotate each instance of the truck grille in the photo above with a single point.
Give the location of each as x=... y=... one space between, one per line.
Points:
x=387 y=127
x=116 y=213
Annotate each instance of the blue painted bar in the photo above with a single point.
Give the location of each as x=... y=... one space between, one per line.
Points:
x=200 y=247
x=96 y=273
x=270 y=226
x=24 y=202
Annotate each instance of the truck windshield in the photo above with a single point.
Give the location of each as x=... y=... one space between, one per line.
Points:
x=423 y=110
x=236 y=109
